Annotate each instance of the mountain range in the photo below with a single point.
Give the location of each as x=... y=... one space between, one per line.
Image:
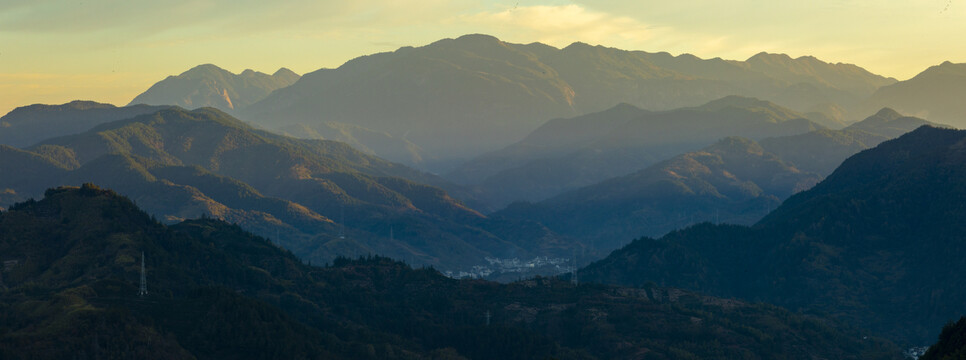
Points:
x=319 y=199
x=770 y=221
x=565 y=154
x=876 y=244
x=935 y=94
x=438 y=94
x=425 y=101
x=211 y=86
x=822 y=151
x=73 y=260
x=734 y=181
x=137 y=160
x=28 y=125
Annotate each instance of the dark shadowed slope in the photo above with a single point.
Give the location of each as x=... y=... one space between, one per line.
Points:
x=733 y=181
x=951 y=344
x=216 y=292
x=878 y=243
x=28 y=125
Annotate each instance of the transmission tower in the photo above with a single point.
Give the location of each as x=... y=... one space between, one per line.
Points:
x=143 y=290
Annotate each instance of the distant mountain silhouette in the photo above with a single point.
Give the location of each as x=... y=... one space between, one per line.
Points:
x=434 y=96
x=25 y=174
x=823 y=150
x=733 y=181
x=458 y=98
x=566 y=154
x=211 y=86
x=183 y=164
x=27 y=125
x=935 y=94
x=878 y=243
x=73 y=260
x=847 y=78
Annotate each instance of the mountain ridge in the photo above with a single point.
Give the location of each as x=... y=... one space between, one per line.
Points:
x=208 y=85
x=27 y=125
x=933 y=94
x=499 y=91
x=319 y=198
x=565 y=154
x=733 y=180
x=881 y=226
x=215 y=291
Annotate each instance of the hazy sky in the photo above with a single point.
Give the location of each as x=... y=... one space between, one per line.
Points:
x=54 y=51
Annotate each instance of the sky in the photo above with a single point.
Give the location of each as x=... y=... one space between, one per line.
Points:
x=55 y=51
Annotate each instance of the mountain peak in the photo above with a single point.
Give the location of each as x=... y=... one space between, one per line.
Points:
x=765 y=57
x=283 y=71
x=625 y=107
x=888 y=113
x=73 y=105
x=62 y=202
x=943 y=72
x=946 y=68
x=478 y=38
x=578 y=45
x=86 y=105
x=210 y=85
x=205 y=68
x=890 y=123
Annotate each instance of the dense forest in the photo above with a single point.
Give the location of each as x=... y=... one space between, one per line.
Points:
x=951 y=344
x=73 y=261
x=874 y=244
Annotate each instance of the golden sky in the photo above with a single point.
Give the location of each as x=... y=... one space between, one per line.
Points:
x=55 y=51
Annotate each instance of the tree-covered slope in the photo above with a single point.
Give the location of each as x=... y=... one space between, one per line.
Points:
x=951 y=344
x=318 y=198
x=877 y=243
x=28 y=125
x=215 y=291
x=732 y=181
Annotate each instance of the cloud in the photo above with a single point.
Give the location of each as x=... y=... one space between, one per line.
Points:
x=145 y=17
x=560 y=25
x=563 y=24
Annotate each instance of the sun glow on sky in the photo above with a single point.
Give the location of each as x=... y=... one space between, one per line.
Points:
x=55 y=51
